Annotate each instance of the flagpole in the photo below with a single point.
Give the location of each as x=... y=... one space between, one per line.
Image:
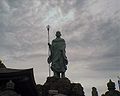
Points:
x=48 y=29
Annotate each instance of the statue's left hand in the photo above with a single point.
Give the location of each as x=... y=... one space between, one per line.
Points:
x=49 y=60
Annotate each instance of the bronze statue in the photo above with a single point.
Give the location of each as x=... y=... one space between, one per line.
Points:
x=111 y=89
x=58 y=57
x=94 y=91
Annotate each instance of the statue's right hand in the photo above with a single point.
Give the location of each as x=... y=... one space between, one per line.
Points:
x=49 y=44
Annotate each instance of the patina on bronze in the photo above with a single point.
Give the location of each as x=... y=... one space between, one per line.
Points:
x=58 y=57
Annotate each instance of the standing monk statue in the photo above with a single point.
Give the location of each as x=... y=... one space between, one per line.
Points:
x=94 y=91
x=58 y=57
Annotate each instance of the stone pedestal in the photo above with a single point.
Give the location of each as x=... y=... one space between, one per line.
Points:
x=62 y=86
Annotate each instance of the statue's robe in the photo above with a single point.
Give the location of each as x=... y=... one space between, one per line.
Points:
x=57 y=56
x=94 y=93
x=112 y=93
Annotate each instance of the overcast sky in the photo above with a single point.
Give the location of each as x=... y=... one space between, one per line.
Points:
x=91 y=29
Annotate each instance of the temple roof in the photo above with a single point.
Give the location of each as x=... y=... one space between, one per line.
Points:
x=23 y=79
x=9 y=70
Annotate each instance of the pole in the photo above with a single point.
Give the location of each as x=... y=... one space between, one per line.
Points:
x=48 y=29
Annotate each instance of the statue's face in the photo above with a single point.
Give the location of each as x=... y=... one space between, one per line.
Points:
x=58 y=34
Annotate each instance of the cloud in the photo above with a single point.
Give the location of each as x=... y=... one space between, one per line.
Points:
x=90 y=28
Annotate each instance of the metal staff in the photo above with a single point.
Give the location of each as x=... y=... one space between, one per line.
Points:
x=48 y=28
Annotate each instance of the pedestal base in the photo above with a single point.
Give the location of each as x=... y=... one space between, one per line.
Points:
x=62 y=86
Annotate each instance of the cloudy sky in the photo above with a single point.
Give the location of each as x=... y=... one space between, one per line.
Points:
x=91 y=29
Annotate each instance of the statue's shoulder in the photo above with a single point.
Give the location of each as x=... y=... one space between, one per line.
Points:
x=62 y=39
x=107 y=93
x=58 y=40
x=115 y=93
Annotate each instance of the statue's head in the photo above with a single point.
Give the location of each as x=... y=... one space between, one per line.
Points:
x=94 y=89
x=111 y=85
x=58 y=33
x=10 y=85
